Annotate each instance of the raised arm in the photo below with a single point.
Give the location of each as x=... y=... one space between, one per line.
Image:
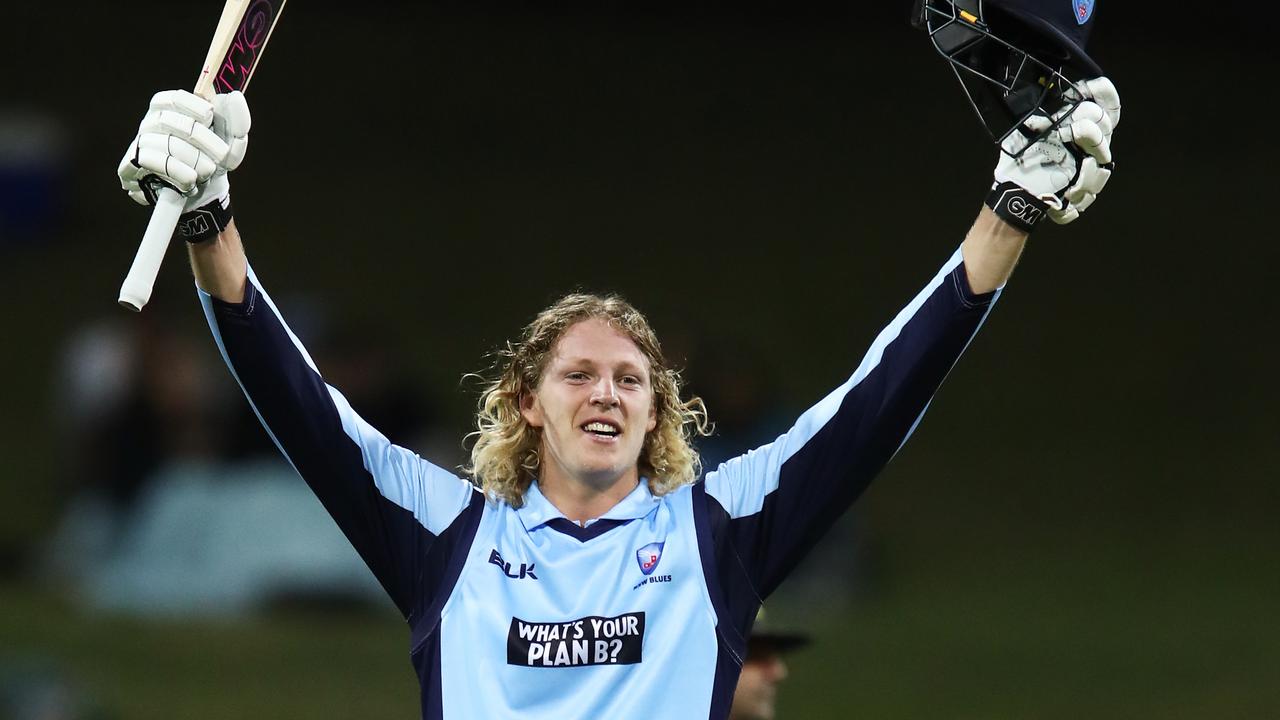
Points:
x=220 y=266
x=399 y=511
x=991 y=249
x=768 y=507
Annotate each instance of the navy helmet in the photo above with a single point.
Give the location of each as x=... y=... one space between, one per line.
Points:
x=1014 y=58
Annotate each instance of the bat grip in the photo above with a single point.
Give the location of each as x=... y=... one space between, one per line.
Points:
x=136 y=289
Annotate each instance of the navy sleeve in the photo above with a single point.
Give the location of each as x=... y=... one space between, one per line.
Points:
x=767 y=508
x=391 y=504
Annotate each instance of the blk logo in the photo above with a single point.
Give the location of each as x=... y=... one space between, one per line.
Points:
x=525 y=571
x=648 y=557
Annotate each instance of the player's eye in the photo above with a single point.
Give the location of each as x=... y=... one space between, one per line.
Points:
x=631 y=380
x=576 y=376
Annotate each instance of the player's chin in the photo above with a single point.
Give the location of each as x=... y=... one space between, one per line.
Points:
x=602 y=472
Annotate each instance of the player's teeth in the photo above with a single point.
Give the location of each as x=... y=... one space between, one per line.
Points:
x=600 y=427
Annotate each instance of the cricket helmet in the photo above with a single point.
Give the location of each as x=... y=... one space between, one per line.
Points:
x=1014 y=58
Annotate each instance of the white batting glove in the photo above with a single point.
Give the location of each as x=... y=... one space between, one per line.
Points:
x=1061 y=174
x=1089 y=129
x=188 y=144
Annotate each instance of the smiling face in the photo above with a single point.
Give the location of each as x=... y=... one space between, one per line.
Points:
x=594 y=406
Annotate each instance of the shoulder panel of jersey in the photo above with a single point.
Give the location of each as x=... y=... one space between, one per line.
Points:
x=780 y=498
x=390 y=503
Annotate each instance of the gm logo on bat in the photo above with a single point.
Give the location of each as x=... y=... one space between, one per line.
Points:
x=251 y=37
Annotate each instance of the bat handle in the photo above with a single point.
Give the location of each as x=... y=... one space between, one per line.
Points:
x=136 y=290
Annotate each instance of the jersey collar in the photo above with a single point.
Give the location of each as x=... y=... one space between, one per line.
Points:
x=538 y=510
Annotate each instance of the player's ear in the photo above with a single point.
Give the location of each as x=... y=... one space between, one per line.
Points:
x=653 y=415
x=530 y=408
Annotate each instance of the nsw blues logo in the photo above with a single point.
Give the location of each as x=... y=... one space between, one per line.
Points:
x=648 y=557
x=1084 y=10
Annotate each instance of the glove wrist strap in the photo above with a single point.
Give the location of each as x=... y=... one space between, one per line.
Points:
x=206 y=221
x=1013 y=204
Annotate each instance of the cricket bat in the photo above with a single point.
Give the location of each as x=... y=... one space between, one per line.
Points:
x=237 y=46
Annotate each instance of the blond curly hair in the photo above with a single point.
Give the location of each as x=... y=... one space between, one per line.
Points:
x=505 y=459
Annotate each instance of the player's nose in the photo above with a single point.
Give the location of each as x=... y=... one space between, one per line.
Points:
x=605 y=392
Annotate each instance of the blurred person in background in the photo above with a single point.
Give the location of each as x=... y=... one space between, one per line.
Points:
x=169 y=482
x=764 y=669
x=135 y=400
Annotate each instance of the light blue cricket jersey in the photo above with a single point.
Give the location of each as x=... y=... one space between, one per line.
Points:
x=521 y=613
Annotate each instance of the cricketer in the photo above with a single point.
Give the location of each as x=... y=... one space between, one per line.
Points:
x=583 y=566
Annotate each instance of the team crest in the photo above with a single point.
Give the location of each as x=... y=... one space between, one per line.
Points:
x=1084 y=10
x=648 y=557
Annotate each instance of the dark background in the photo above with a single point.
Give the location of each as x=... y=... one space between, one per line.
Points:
x=1085 y=524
